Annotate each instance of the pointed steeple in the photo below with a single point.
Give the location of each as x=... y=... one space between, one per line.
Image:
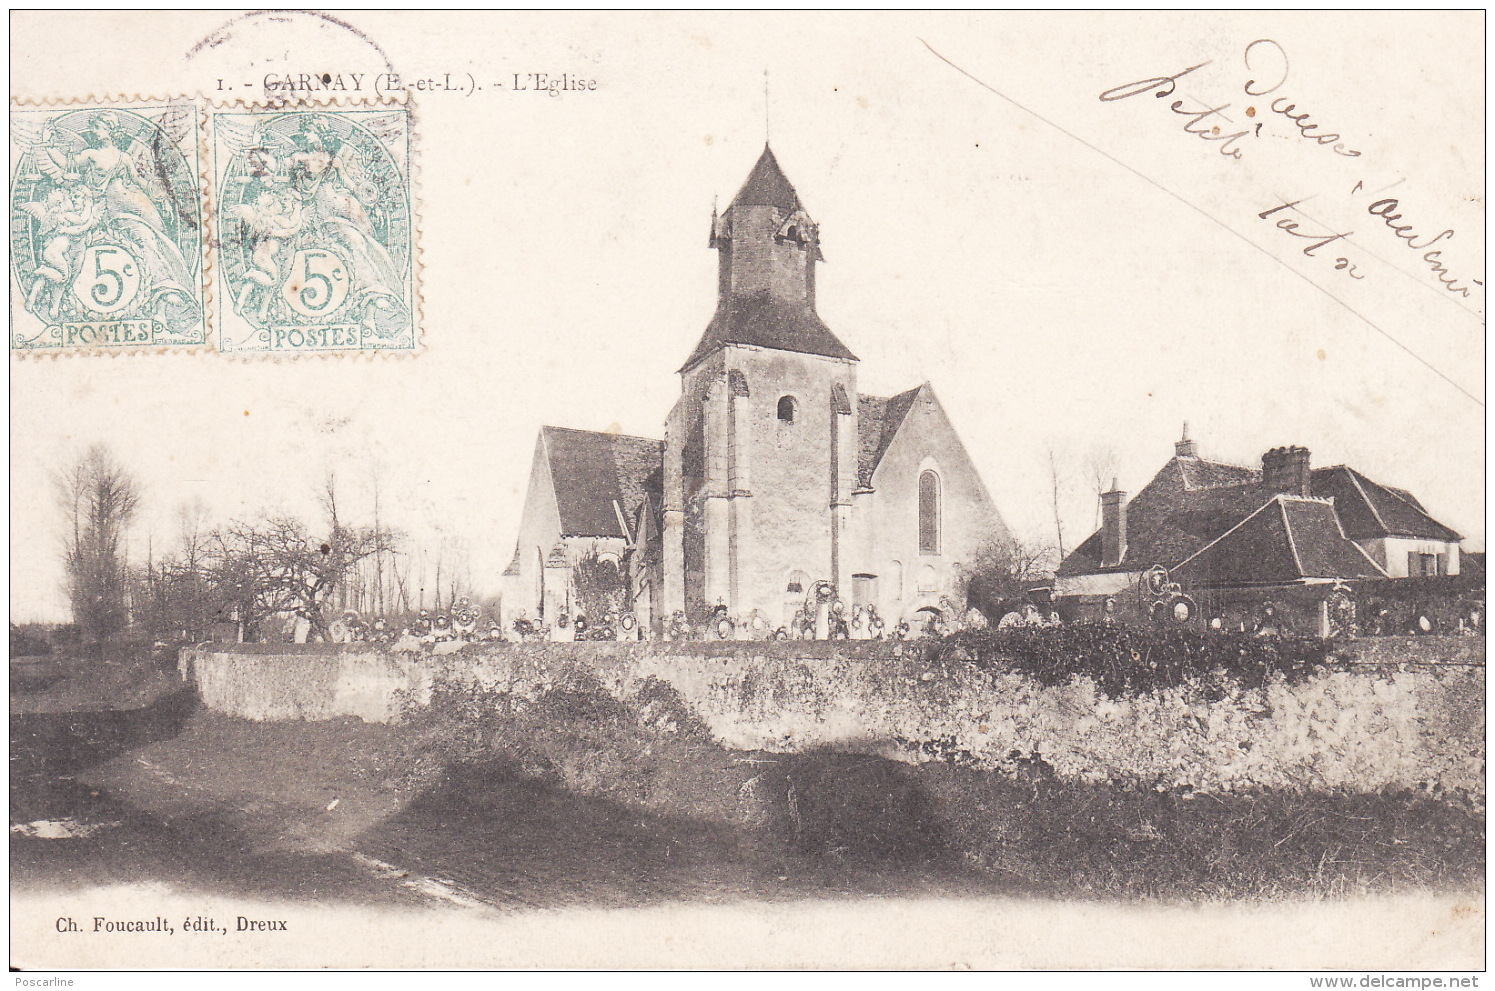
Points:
x=767 y=185
x=768 y=246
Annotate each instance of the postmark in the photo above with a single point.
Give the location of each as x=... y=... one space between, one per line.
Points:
x=314 y=229
x=106 y=228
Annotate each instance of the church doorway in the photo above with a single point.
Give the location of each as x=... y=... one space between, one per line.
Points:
x=927 y=621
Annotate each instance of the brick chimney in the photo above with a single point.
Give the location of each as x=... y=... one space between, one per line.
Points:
x=1184 y=448
x=1112 y=526
x=1286 y=470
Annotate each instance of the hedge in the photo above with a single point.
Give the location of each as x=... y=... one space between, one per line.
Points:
x=1130 y=660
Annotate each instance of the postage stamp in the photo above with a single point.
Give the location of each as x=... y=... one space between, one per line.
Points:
x=314 y=230
x=106 y=228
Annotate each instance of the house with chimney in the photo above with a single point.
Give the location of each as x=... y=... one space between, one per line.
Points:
x=777 y=478
x=1240 y=540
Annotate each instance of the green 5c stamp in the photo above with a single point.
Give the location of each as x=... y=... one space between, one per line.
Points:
x=106 y=228
x=315 y=230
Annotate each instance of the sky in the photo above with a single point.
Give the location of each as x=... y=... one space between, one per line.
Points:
x=1074 y=276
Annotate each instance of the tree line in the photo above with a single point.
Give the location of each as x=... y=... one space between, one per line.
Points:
x=247 y=579
x=257 y=579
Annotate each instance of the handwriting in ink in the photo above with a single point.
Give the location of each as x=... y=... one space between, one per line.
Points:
x=1162 y=87
x=1318 y=237
x=1281 y=105
x=1388 y=210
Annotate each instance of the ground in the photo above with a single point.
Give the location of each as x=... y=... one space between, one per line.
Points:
x=581 y=803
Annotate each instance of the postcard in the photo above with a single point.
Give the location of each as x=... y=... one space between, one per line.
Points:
x=738 y=491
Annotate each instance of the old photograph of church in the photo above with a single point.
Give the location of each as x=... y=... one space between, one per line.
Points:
x=727 y=491
x=777 y=477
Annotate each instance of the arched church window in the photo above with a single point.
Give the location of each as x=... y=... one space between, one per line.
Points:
x=929 y=513
x=787 y=409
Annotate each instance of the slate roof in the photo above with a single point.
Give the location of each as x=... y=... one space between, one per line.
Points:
x=1191 y=503
x=758 y=318
x=1172 y=517
x=767 y=185
x=1201 y=474
x=878 y=420
x=1369 y=510
x=592 y=471
x=1287 y=539
x=766 y=321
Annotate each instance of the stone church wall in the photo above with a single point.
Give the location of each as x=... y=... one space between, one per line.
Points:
x=539 y=533
x=790 y=472
x=890 y=520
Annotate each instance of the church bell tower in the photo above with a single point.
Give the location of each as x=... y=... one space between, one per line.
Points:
x=766 y=240
x=761 y=449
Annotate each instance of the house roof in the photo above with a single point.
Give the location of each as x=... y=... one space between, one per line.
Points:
x=597 y=476
x=764 y=320
x=1287 y=539
x=878 y=420
x=1191 y=503
x=1201 y=474
x=1368 y=509
x=1182 y=509
x=767 y=185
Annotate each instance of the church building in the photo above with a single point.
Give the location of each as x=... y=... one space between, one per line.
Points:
x=775 y=478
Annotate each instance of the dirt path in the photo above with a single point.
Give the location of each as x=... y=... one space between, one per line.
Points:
x=70 y=831
x=347 y=811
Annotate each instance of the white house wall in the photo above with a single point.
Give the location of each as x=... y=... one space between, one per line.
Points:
x=1391 y=553
x=1103 y=584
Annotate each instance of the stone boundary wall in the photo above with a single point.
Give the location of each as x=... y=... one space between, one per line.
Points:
x=1410 y=714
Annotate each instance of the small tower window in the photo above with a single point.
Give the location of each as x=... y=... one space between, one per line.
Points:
x=787 y=409
x=929 y=513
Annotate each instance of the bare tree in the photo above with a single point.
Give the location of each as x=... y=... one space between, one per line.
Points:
x=98 y=498
x=378 y=596
x=458 y=572
x=1054 y=480
x=1100 y=468
x=277 y=567
x=192 y=532
x=402 y=584
x=1002 y=572
x=176 y=599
